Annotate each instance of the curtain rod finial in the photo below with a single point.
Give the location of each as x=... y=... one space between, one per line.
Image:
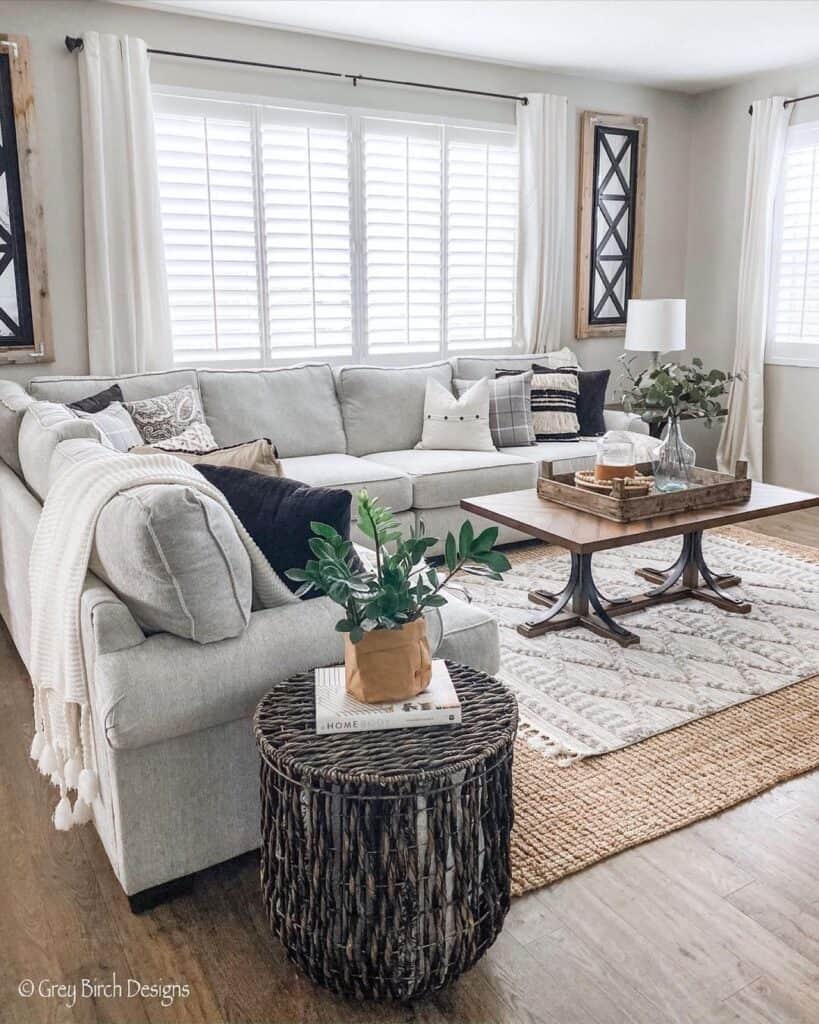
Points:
x=73 y=43
x=525 y=101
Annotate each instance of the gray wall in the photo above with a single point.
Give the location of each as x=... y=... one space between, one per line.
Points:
x=46 y=22
x=719 y=147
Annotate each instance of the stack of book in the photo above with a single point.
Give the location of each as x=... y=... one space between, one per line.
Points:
x=337 y=711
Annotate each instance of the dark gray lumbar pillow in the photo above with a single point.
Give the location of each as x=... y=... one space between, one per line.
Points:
x=101 y=400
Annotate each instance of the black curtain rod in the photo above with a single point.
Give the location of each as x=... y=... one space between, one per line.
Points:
x=73 y=43
x=796 y=99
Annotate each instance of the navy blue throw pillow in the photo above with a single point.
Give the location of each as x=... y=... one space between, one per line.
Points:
x=101 y=400
x=277 y=513
x=591 y=401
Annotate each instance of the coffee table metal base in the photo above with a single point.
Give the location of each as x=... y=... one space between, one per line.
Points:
x=580 y=603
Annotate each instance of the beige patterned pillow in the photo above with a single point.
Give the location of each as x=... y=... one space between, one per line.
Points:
x=167 y=416
x=197 y=439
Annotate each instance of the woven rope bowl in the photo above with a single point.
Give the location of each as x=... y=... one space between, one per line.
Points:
x=633 y=486
x=385 y=863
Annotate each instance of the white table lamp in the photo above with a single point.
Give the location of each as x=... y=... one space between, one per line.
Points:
x=655 y=325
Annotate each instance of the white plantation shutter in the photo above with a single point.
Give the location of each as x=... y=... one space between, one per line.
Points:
x=306 y=183
x=481 y=211
x=206 y=184
x=794 y=321
x=402 y=208
x=292 y=233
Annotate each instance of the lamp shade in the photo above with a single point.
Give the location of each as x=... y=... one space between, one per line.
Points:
x=655 y=325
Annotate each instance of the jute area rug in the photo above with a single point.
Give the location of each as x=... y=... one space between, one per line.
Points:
x=575 y=806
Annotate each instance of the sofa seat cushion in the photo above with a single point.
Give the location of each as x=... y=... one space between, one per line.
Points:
x=391 y=486
x=295 y=407
x=442 y=478
x=569 y=457
x=566 y=457
x=166 y=687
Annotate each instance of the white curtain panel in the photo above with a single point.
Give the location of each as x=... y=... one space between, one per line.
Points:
x=742 y=436
x=126 y=292
x=542 y=207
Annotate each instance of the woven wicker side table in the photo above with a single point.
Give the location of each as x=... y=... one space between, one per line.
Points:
x=385 y=855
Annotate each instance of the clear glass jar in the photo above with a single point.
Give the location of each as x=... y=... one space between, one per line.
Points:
x=615 y=457
x=673 y=460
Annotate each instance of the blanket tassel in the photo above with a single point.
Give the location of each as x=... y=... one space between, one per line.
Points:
x=47 y=762
x=82 y=811
x=37 y=745
x=63 y=819
x=72 y=772
x=88 y=785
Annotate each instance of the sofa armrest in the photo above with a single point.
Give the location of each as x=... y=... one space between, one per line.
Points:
x=618 y=419
x=106 y=620
x=167 y=686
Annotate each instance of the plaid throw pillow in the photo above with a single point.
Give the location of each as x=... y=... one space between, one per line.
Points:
x=554 y=404
x=510 y=408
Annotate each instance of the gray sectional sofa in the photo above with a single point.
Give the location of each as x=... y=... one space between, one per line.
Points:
x=172 y=717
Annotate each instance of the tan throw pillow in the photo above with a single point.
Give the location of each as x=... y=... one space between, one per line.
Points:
x=259 y=456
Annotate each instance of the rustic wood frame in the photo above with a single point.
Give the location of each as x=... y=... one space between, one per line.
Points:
x=585 y=218
x=28 y=157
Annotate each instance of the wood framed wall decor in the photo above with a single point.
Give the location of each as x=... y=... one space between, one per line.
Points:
x=610 y=221
x=25 y=308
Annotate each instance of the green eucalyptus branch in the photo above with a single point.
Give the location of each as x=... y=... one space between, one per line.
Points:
x=666 y=391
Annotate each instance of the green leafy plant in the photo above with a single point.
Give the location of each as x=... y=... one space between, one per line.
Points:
x=402 y=585
x=665 y=391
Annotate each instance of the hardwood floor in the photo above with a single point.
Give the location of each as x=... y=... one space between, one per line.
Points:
x=717 y=923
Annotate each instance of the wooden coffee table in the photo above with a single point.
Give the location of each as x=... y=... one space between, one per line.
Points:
x=580 y=603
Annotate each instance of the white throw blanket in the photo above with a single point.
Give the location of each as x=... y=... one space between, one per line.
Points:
x=63 y=544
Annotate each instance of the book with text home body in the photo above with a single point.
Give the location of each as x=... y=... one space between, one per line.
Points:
x=337 y=711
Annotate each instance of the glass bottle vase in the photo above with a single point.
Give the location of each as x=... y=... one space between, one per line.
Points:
x=673 y=460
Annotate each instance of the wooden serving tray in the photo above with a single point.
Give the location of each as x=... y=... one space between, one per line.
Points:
x=711 y=488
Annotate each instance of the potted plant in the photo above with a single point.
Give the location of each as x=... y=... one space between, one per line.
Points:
x=386 y=651
x=664 y=394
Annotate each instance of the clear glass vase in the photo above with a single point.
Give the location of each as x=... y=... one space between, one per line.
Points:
x=673 y=460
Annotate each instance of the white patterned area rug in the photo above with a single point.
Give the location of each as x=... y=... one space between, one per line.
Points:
x=582 y=695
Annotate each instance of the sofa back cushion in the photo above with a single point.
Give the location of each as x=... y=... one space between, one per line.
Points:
x=475 y=367
x=13 y=403
x=383 y=407
x=43 y=427
x=173 y=556
x=134 y=385
x=295 y=407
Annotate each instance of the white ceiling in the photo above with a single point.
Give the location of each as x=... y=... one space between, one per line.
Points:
x=691 y=45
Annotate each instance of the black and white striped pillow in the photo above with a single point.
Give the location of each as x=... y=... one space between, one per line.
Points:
x=554 y=404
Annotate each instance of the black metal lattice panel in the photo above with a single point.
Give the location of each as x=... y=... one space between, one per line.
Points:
x=613 y=223
x=16 y=328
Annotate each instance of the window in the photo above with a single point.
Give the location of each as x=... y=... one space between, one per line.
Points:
x=793 y=334
x=293 y=233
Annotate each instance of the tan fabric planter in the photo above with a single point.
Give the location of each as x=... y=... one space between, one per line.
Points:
x=389 y=664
